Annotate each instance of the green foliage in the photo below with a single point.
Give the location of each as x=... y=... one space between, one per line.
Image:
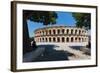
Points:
x=45 y=17
x=82 y=20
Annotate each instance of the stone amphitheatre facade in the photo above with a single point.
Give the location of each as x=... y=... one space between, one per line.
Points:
x=69 y=35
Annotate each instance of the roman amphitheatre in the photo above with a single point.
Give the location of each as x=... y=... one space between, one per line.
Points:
x=68 y=35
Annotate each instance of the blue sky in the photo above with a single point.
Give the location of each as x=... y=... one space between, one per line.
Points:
x=64 y=18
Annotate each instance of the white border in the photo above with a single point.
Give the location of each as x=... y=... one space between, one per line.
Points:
x=21 y=65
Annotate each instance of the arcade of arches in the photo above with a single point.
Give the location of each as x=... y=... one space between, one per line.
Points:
x=61 y=34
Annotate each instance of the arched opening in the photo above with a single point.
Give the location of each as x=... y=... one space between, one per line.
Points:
x=67 y=31
x=67 y=39
x=43 y=39
x=58 y=31
x=71 y=39
x=76 y=39
x=63 y=31
x=58 y=39
x=46 y=39
x=75 y=31
x=54 y=32
x=79 y=31
x=63 y=39
x=71 y=31
x=79 y=39
x=54 y=39
x=49 y=39
x=50 y=32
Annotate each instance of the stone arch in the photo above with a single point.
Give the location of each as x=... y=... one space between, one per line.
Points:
x=42 y=39
x=58 y=39
x=76 y=39
x=67 y=31
x=49 y=39
x=63 y=30
x=67 y=39
x=79 y=39
x=54 y=31
x=49 y=32
x=72 y=39
x=46 y=40
x=71 y=31
x=54 y=39
x=43 y=32
x=63 y=39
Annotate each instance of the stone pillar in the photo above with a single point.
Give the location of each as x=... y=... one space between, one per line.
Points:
x=60 y=31
x=55 y=31
x=52 y=32
x=69 y=31
x=77 y=32
x=81 y=39
x=44 y=32
x=47 y=39
x=65 y=31
x=69 y=39
x=55 y=39
x=73 y=31
x=51 y=39
x=73 y=38
x=60 y=39
x=65 y=39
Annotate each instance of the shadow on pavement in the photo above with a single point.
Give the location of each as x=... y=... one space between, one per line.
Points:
x=50 y=54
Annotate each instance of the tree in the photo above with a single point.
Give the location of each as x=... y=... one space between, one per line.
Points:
x=45 y=17
x=83 y=20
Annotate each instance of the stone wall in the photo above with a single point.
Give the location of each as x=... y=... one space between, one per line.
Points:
x=60 y=34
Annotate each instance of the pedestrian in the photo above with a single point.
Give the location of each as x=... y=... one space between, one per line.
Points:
x=33 y=44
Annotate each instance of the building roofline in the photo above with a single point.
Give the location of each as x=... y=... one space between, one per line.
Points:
x=55 y=26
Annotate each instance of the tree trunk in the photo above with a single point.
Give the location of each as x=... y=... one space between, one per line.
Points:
x=26 y=39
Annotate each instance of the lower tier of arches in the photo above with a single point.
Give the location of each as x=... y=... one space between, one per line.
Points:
x=61 y=39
